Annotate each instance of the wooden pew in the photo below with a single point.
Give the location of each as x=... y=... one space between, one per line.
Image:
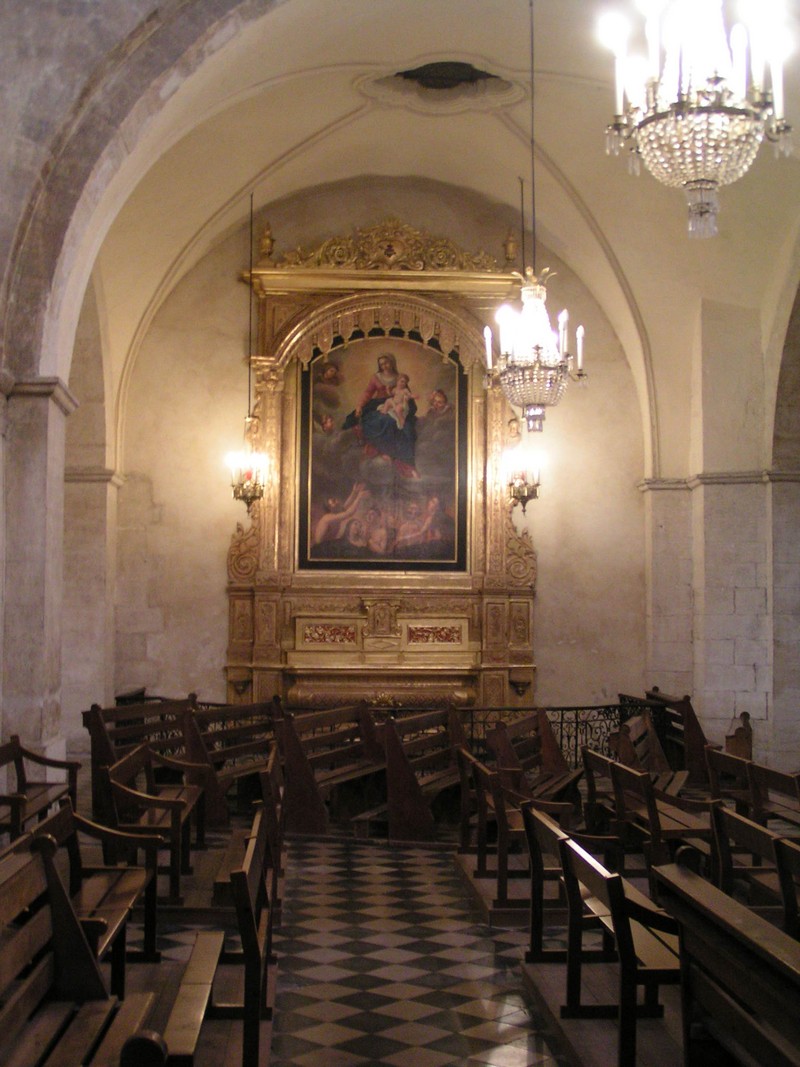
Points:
x=637 y=745
x=645 y=938
x=740 y=976
x=728 y=779
x=682 y=734
x=322 y=750
x=103 y=897
x=234 y=741
x=421 y=764
x=140 y=805
x=529 y=758
x=54 y=1006
x=773 y=794
x=31 y=799
x=195 y=1001
x=113 y=732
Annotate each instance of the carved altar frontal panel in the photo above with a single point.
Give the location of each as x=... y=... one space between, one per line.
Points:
x=404 y=637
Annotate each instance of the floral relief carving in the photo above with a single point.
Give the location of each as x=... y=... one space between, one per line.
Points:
x=243 y=550
x=521 y=564
x=434 y=635
x=328 y=633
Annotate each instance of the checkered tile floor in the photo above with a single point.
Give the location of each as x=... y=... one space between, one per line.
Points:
x=380 y=962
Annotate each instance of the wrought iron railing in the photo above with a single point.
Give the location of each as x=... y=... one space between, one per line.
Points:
x=575 y=726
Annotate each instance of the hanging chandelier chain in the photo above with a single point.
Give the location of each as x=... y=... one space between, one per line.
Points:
x=250 y=321
x=533 y=143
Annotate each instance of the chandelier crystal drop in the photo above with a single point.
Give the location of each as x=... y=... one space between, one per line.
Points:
x=698 y=107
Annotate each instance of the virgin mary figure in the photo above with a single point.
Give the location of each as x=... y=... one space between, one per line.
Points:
x=379 y=430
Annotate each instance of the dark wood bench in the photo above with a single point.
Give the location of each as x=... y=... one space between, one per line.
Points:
x=728 y=779
x=682 y=735
x=234 y=741
x=31 y=799
x=104 y=896
x=55 y=1010
x=195 y=1001
x=113 y=732
x=140 y=805
x=645 y=938
x=323 y=750
x=421 y=763
x=740 y=976
x=774 y=795
x=530 y=760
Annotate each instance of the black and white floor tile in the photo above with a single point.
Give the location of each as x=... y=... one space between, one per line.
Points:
x=381 y=962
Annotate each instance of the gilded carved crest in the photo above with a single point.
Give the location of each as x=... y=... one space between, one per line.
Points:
x=392 y=245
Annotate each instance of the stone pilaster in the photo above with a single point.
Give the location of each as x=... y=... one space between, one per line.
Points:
x=34 y=473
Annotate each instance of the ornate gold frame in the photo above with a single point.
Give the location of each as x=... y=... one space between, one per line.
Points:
x=322 y=637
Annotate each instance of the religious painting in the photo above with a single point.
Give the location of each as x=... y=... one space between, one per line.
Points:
x=383 y=456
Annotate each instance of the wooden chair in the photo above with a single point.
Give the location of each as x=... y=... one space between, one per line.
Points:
x=663 y=823
x=500 y=809
x=787 y=859
x=31 y=799
x=104 y=896
x=139 y=805
x=544 y=835
x=645 y=938
x=746 y=862
x=598 y=805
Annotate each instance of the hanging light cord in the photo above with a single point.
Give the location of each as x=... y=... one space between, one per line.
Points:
x=250 y=318
x=533 y=180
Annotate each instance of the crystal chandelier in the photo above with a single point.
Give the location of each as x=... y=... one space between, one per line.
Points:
x=249 y=468
x=698 y=107
x=534 y=366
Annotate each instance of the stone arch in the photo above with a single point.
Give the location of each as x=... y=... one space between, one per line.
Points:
x=59 y=232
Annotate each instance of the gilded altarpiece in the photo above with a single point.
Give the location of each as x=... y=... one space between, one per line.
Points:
x=382 y=562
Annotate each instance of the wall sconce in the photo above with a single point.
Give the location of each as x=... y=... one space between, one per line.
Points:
x=520 y=681
x=521 y=470
x=249 y=472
